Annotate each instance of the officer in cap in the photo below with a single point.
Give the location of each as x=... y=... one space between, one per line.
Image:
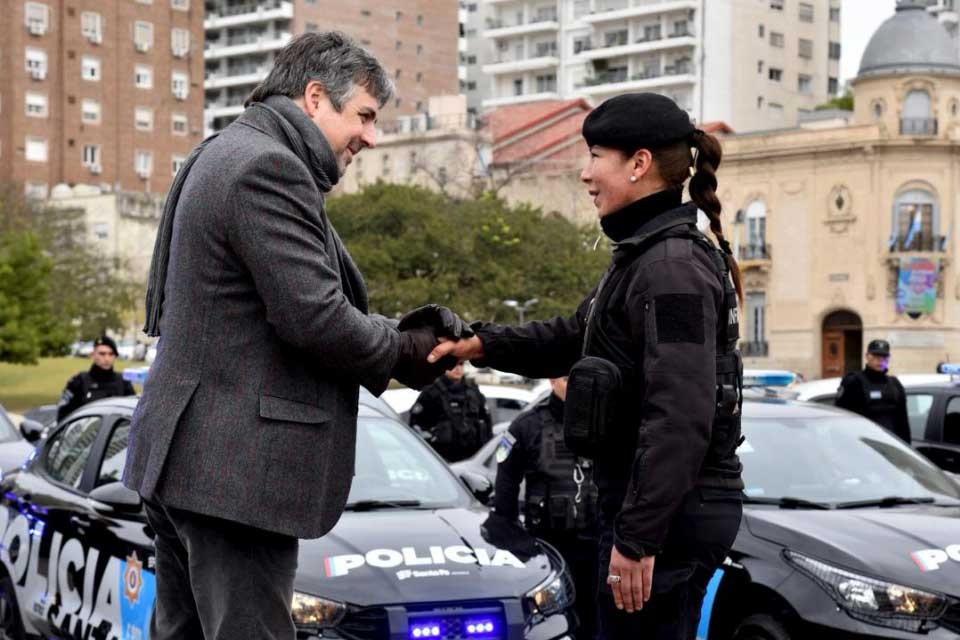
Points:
x=100 y=381
x=561 y=498
x=452 y=414
x=875 y=394
x=653 y=392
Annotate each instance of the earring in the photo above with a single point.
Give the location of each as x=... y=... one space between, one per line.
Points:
x=633 y=178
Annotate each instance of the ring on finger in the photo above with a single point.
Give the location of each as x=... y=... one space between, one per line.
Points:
x=614 y=579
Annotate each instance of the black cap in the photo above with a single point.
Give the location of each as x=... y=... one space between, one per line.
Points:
x=105 y=341
x=879 y=347
x=637 y=121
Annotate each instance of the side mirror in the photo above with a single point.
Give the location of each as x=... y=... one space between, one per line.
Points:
x=479 y=485
x=117 y=497
x=31 y=430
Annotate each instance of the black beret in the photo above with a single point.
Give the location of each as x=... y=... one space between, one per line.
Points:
x=105 y=341
x=637 y=121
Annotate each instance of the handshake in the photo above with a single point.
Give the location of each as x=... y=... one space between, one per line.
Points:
x=433 y=339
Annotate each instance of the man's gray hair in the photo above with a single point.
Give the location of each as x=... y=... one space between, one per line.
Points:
x=331 y=58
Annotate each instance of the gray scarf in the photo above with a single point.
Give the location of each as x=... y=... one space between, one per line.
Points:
x=302 y=137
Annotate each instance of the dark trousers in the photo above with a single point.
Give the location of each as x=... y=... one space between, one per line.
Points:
x=220 y=580
x=581 y=553
x=701 y=534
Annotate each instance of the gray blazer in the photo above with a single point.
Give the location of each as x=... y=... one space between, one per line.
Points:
x=249 y=411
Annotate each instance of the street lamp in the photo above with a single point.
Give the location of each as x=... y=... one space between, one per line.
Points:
x=521 y=308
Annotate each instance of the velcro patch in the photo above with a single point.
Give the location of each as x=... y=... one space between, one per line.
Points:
x=679 y=318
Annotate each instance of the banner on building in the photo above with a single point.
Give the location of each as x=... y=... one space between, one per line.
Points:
x=917 y=285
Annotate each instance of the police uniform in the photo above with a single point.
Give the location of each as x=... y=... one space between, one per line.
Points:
x=665 y=313
x=876 y=395
x=454 y=417
x=560 y=501
x=93 y=384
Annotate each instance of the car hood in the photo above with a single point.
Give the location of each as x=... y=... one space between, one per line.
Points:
x=385 y=557
x=13 y=454
x=915 y=546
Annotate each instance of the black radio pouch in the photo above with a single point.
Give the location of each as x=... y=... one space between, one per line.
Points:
x=591 y=406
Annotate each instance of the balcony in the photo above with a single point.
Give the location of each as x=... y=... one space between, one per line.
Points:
x=501 y=101
x=754 y=252
x=755 y=349
x=918 y=126
x=920 y=243
x=620 y=47
x=222 y=110
x=248 y=13
x=236 y=78
x=513 y=64
x=536 y=24
x=245 y=46
x=616 y=11
x=646 y=79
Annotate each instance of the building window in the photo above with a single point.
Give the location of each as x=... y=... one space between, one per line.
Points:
x=91 y=156
x=176 y=163
x=756 y=319
x=91 y=26
x=805 y=48
x=365 y=13
x=834 y=50
x=760 y=30
x=36 y=63
x=398 y=45
x=90 y=68
x=776 y=110
x=419 y=77
x=90 y=112
x=775 y=74
x=877 y=108
x=179 y=85
x=36 y=105
x=805 y=12
x=143 y=118
x=915 y=222
x=518 y=87
x=419 y=49
x=179 y=124
x=143 y=77
x=834 y=14
x=36 y=190
x=760 y=66
x=179 y=42
x=917 y=115
x=399 y=16
x=36 y=18
x=142 y=35
x=776 y=5
x=833 y=86
x=180 y=5
x=420 y=16
x=143 y=163
x=547 y=83
x=36 y=149
x=311 y=27
x=804 y=84
x=759 y=102
x=776 y=39
x=385 y=168
x=471 y=85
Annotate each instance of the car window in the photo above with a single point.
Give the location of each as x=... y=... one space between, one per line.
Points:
x=918 y=408
x=111 y=469
x=393 y=463
x=69 y=450
x=951 y=422
x=834 y=459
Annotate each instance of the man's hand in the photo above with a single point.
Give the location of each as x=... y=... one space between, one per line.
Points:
x=636 y=580
x=464 y=349
x=444 y=322
x=412 y=367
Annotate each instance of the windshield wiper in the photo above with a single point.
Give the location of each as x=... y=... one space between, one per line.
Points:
x=373 y=505
x=787 y=502
x=889 y=501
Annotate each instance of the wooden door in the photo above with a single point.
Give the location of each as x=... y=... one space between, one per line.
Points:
x=832 y=353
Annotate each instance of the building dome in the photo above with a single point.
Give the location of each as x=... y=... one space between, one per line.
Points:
x=912 y=41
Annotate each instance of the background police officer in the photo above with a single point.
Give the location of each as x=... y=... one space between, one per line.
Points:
x=560 y=502
x=874 y=394
x=100 y=381
x=453 y=415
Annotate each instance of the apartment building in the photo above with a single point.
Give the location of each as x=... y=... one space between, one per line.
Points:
x=417 y=40
x=103 y=93
x=755 y=64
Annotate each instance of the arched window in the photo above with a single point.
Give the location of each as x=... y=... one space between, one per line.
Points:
x=756 y=241
x=915 y=222
x=917 y=117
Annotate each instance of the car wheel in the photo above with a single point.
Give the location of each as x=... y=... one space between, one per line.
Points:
x=10 y=627
x=761 y=627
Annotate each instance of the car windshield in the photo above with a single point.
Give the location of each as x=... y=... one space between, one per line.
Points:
x=394 y=465
x=835 y=459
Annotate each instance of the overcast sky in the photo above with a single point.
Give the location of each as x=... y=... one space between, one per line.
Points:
x=858 y=20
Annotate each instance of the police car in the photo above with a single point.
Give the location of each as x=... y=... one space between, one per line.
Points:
x=933 y=409
x=406 y=560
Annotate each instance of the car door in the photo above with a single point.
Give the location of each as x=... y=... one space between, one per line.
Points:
x=942 y=444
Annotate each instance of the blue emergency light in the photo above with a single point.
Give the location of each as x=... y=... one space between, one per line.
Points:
x=136 y=375
x=479 y=628
x=950 y=368
x=426 y=630
x=768 y=378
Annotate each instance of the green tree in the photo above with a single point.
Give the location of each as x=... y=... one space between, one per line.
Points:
x=844 y=101
x=415 y=246
x=87 y=293
x=25 y=309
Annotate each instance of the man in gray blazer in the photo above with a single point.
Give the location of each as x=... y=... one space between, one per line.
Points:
x=243 y=440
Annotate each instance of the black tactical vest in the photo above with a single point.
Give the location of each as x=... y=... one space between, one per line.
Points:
x=880 y=399
x=93 y=389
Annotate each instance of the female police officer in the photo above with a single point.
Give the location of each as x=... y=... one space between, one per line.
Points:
x=665 y=315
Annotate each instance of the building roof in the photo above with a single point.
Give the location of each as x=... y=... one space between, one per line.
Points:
x=912 y=41
x=545 y=131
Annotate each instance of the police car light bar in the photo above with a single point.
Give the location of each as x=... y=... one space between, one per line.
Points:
x=136 y=375
x=951 y=368
x=429 y=630
x=768 y=378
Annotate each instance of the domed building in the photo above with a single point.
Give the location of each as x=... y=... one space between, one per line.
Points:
x=845 y=226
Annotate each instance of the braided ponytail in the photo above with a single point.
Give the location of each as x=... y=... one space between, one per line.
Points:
x=703 y=192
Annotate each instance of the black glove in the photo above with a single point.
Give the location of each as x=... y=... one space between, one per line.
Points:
x=412 y=368
x=444 y=322
x=508 y=534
